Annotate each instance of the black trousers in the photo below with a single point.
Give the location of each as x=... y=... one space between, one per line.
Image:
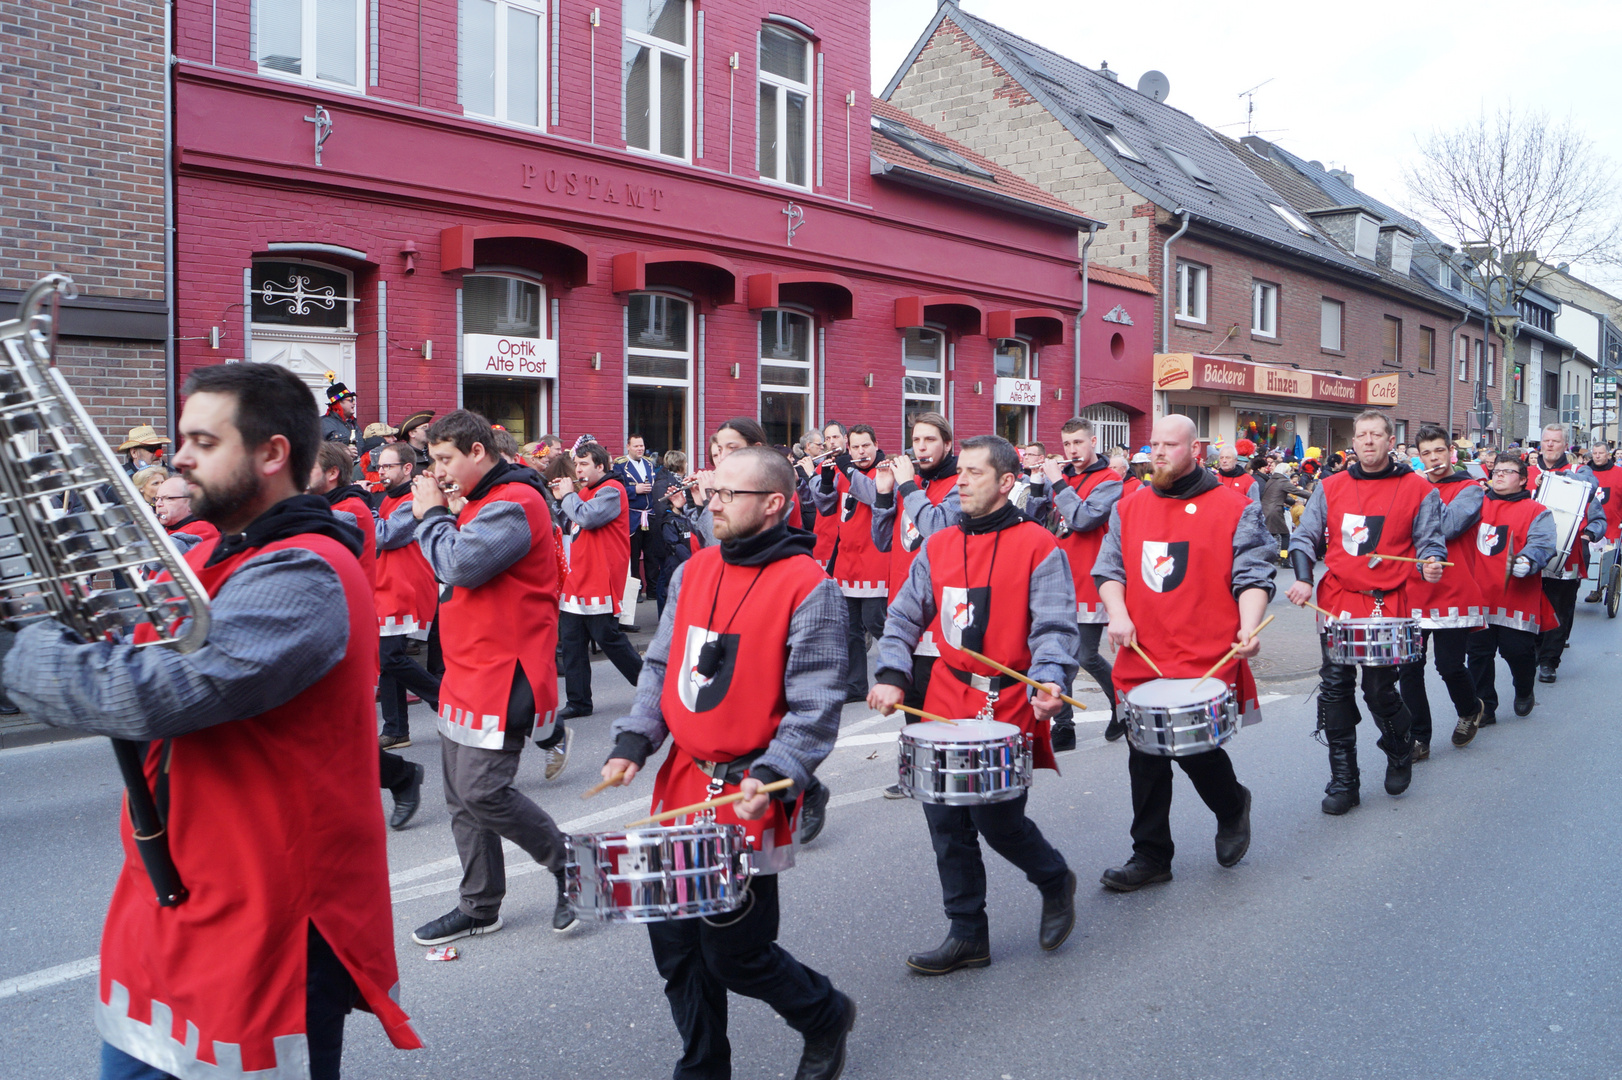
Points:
x=702 y=959
x=573 y=632
x=398 y=673
x=392 y=770
x=956 y=830
x=1212 y=775
x=866 y=617
x=645 y=555
x=1520 y=652
x=1093 y=663
x=1337 y=705
x=1450 y=654
x=1563 y=598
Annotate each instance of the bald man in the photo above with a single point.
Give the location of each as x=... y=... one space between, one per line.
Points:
x=173 y=506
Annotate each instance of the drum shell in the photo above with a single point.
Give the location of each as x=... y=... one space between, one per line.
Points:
x=963 y=771
x=1373 y=642
x=657 y=874
x=1182 y=730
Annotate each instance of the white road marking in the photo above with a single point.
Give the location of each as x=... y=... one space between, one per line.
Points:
x=51 y=976
x=873 y=739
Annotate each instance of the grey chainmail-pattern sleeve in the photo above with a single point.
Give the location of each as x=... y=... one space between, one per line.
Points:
x=1054 y=638
x=602 y=509
x=884 y=512
x=1429 y=542
x=929 y=517
x=482 y=547
x=646 y=718
x=1108 y=565
x=1542 y=540
x=1308 y=534
x=1255 y=553
x=813 y=683
x=398 y=529
x=1462 y=514
x=909 y=616
x=1089 y=513
x=279 y=624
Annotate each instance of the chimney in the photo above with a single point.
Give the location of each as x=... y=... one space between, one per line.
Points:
x=1103 y=69
x=1344 y=177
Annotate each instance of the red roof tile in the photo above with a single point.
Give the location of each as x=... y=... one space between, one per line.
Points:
x=1126 y=279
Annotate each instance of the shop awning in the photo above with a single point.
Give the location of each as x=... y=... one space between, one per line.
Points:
x=707 y=276
x=1044 y=326
x=540 y=248
x=963 y=314
x=1192 y=371
x=831 y=295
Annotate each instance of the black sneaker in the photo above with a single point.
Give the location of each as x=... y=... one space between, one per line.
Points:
x=895 y=791
x=563 y=916
x=1064 y=737
x=1525 y=705
x=393 y=742
x=1114 y=729
x=1487 y=719
x=1546 y=673
x=814 y=812
x=407 y=798
x=458 y=924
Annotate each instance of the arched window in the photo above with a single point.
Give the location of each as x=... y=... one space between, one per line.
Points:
x=304 y=319
x=1012 y=360
x=1111 y=425
x=508 y=361
x=785 y=375
x=659 y=370
x=784 y=101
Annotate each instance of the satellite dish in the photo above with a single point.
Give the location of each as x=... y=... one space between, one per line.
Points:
x=1154 y=85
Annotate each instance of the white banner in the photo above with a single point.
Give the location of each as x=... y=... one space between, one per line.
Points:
x=1019 y=392
x=509 y=357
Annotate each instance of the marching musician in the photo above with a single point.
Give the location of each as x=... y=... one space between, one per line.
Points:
x=746 y=676
x=1191 y=551
x=263 y=754
x=1560 y=583
x=1451 y=609
x=1609 y=478
x=1515 y=536
x=1373 y=506
x=407 y=596
x=499 y=627
x=996 y=562
x=1085 y=491
x=847 y=491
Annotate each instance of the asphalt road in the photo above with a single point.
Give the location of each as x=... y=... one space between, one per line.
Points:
x=1466 y=929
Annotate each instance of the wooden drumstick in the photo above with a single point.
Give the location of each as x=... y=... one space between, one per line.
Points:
x=1405 y=558
x=1026 y=679
x=725 y=800
x=596 y=789
x=1229 y=654
x=1146 y=659
x=1315 y=607
x=920 y=714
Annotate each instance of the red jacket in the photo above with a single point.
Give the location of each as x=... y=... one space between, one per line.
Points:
x=407 y=594
x=1455 y=601
x=859 y=566
x=194 y=526
x=599 y=561
x=1081 y=549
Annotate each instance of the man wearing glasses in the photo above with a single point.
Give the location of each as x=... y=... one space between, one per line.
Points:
x=407 y=596
x=173 y=505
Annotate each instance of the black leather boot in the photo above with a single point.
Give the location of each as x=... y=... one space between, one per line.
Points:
x=953 y=953
x=1399 y=756
x=1341 y=794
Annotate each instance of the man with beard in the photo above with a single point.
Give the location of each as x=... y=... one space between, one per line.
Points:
x=995 y=561
x=499 y=628
x=1560 y=583
x=1374 y=506
x=1187 y=552
x=1085 y=491
x=1234 y=475
x=1515 y=536
x=407 y=596
x=261 y=747
x=1609 y=478
x=746 y=677
x=176 y=517
x=928 y=503
x=847 y=491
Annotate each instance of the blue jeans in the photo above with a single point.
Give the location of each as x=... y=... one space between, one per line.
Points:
x=117 y=1065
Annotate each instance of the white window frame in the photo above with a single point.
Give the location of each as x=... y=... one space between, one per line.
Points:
x=530 y=7
x=1025 y=411
x=808 y=365
x=784 y=87
x=658 y=46
x=689 y=353
x=307 y=49
x=938 y=400
x=1193 y=283
x=1461 y=360
x=1263 y=309
x=1340 y=324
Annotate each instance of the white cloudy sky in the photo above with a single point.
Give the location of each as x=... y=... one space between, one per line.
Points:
x=1353 y=85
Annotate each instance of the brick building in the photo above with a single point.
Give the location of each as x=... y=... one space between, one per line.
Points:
x=82 y=153
x=1256 y=268
x=645 y=217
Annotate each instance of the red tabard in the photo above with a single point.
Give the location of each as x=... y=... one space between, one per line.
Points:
x=1366 y=517
x=905 y=540
x=1518 y=603
x=859 y=566
x=407 y=593
x=967 y=595
x=1179 y=590
x=274 y=824
x=364 y=522
x=1610 y=497
x=826 y=528
x=1129 y=485
x=737 y=710
x=1241 y=483
x=1081 y=549
x=485 y=632
x=599 y=561
x=1577 y=558
x=195 y=527
x=1455 y=601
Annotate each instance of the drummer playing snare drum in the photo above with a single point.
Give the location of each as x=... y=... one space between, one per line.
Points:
x=1186 y=572
x=1373 y=507
x=747 y=677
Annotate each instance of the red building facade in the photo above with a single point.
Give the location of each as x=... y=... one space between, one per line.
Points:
x=650 y=218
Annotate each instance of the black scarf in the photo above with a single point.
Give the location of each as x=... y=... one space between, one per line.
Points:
x=1397 y=468
x=1005 y=516
x=180 y=525
x=1560 y=463
x=1238 y=471
x=1517 y=497
x=946 y=467
x=768 y=546
x=397 y=490
x=1098 y=463
x=504 y=472
x=1457 y=478
x=290 y=517
x=1602 y=468
x=339 y=494
x=1196 y=481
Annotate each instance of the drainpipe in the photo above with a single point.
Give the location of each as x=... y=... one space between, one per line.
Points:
x=1086 y=249
x=170 y=314
x=1168 y=305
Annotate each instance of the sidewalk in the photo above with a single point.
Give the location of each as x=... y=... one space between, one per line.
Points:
x=19 y=730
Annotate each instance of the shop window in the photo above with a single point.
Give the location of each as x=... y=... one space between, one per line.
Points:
x=659 y=369
x=1265 y=429
x=785 y=375
x=923 y=386
x=1264 y=309
x=1012 y=360
x=784 y=126
x=656 y=53
x=1191 y=280
x=1200 y=414
x=505 y=307
x=1111 y=425
x=1329 y=333
x=317 y=41
x=502 y=60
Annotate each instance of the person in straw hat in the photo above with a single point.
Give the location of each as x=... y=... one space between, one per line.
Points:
x=144 y=447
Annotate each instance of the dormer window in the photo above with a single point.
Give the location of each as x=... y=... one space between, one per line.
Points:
x=1367 y=238
x=1190 y=168
x=1402 y=252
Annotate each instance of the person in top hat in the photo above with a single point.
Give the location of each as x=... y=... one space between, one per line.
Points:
x=338 y=424
x=144 y=447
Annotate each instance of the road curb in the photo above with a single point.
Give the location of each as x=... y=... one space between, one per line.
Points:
x=35 y=734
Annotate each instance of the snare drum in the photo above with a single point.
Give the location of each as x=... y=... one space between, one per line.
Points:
x=1374 y=642
x=1180 y=717
x=659 y=873
x=966 y=763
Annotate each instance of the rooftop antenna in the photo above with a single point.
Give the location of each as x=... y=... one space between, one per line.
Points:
x=1250 y=106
